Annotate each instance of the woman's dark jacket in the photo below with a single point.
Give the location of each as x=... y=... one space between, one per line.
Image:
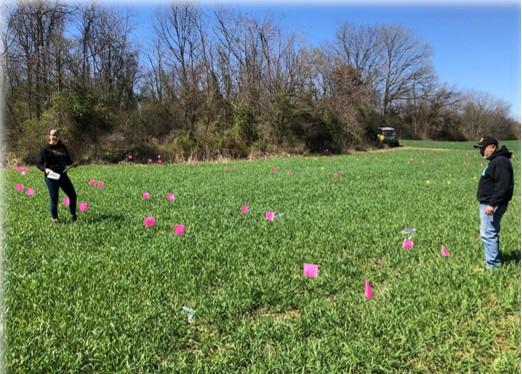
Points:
x=55 y=157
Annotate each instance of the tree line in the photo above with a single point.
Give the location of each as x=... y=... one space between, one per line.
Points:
x=220 y=84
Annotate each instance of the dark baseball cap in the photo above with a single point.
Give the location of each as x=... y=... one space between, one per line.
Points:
x=485 y=141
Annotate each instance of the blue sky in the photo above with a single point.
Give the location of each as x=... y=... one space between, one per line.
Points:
x=476 y=46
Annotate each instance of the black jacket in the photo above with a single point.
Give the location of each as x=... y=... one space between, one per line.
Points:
x=496 y=183
x=55 y=157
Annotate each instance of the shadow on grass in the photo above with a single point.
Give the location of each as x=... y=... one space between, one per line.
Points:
x=511 y=257
x=103 y=218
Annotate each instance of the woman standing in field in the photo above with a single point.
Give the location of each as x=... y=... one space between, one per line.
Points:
x=54 y=160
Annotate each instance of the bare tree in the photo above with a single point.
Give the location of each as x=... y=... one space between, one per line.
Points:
x=179 y=33
x=155 y=79
x=390 y=59
x=484 y=115
x=35 y=50
x=106 y=62
x=404 y=65
x=360 y=47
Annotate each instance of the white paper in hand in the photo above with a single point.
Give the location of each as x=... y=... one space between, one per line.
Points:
x=53 y=175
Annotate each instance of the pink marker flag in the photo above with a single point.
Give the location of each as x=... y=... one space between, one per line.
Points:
x=66 y=201
x=244 y=209
x=101 y=184
x=311 y=270
x=444 y=251
x=274 y=169
x=171 y=196
x=149 y=161
x=92 y=182
x=84 y=206
x=179 y=230
x=29 y=192
x=149 y=222
x=225 y=168
x=407 y=244
x=159 y=160
x=146 y=196
x=368 y=292
x=19 y=187
x=270 y=216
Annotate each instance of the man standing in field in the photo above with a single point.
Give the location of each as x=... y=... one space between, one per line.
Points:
x=494 y=192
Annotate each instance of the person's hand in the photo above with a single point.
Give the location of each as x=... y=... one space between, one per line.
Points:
x=47 y=171
x=489 y=210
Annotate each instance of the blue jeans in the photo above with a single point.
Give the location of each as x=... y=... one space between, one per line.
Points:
x=489 y=233
x=54 y=187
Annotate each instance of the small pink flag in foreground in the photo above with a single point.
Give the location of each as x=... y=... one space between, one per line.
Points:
x=444 y=251
x=407 y=244
x=19 y=187
x=84 y=206
x=274 y=169
x=29 y=192
x=244 y=209
x=149 y=161
x=270 y=216
x=146 y=196
x=368 y=292
x=149 y=221
x=311 y=270
x=101 y=184
x=171 y=196
x=225 y=167
x=66 y=201
x=179 y=230
x=92 y=182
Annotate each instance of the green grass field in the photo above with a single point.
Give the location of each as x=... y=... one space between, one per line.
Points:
x=106 y=294
x=512 y=145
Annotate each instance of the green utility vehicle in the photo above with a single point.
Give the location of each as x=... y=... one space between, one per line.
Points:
x=387 y=137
